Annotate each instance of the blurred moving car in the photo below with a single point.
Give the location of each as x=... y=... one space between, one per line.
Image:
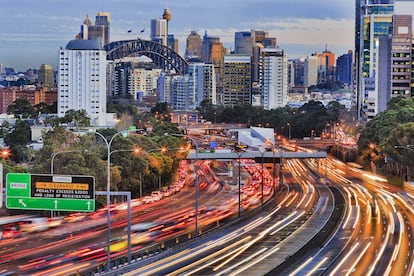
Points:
x=31 y=225
x=9 y=233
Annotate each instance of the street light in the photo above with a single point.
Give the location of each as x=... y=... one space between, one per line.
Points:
x=163 y=150
x=262 y=150
x=196 y=174
x=239 y=154
x=5 y=153
x=288 y=124
x=108 y=190
x=408 y=147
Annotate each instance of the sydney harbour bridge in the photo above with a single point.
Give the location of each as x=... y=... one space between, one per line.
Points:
x=162 y=56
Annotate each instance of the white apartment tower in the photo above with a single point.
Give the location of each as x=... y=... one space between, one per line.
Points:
x=274 y=78
x=82 y=80
x=202 y=84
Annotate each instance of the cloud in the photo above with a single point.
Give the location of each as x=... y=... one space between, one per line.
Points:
x=43 y=25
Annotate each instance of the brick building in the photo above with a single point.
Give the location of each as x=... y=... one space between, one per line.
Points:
x=33 y=95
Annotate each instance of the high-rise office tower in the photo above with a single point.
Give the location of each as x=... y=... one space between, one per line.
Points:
x=261 y=40
x=274 y=78
x=159 y=32
x=103 y=19
x=373 y=19
x=326 y=66
x=401 y=56
x=262 y=37
x=298 y=71
x=100 y=30
x=243 y=43
x=45 y=76
x=172 y=42
x=84 y=29
x=213 y=52
x=237 y=81
x=82 y=80
x=310 y=75
x=193 y=46
x=344 y=68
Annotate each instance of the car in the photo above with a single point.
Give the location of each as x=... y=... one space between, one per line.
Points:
x=32 y=225
x=148 y=199
x=10 y=233
x=157 y=195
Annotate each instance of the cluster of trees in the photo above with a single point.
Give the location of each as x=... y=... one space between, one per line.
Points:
x=86 y=154
x=391 y=128
x=312 y=116
x=21 y=108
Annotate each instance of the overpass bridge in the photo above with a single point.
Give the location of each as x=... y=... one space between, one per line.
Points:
x=268 y=156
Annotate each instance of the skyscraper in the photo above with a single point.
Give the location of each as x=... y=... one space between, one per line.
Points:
x=326 y=66
x=274 y=78
x=373 y=19
x=193 y=46
x=45 y=76
x=310 y=75
x=237 y=81
x=213 y=52
x=159 y=31
x=401 y=56
x=243 y=43
x=202 y=83
x=100 y=31
x=344 y=68
x=82 y=80
x=103 y=19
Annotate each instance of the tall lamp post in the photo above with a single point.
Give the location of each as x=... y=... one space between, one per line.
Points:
x=288 y=124
x=108 y=144
x=262 y=150
x=281 y=167
x=196 y=175
x=239 y=154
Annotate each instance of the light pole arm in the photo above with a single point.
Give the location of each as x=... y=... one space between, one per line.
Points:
x=56 y=153
x=196 y=174
x=405 y=147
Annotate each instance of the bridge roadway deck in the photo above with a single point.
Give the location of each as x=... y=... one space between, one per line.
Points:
x=193 y=155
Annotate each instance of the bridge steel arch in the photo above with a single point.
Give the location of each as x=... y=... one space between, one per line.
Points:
x=161 y=55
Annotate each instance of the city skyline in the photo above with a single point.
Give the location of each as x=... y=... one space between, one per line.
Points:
x=33 y=32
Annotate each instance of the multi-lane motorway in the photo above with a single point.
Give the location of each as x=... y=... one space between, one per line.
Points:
x=356 y=224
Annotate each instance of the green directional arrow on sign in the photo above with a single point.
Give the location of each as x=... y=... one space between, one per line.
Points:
x=50 y=204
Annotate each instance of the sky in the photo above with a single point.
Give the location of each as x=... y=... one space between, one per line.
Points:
x=32 y=32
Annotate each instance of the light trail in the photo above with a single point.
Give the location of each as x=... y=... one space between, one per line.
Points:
x=334 y=272
x=359 y=258
x=317 y=266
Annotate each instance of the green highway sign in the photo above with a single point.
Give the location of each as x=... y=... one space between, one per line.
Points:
x=206 y=150
x=50 y=192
